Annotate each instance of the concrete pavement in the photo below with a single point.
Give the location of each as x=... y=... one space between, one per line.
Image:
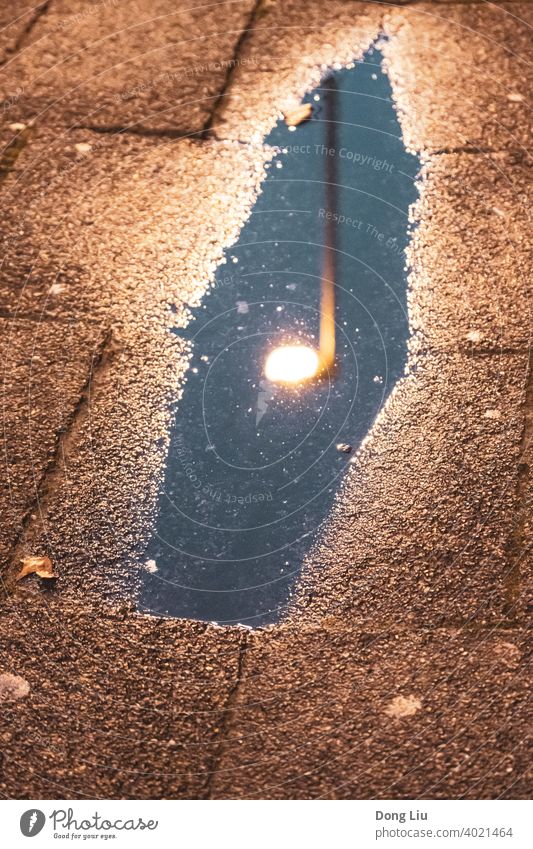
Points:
x=401 y=669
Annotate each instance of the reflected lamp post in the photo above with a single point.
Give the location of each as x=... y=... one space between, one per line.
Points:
x=294 y=364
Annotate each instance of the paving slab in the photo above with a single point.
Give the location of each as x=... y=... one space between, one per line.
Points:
x=401 y=671
x=287 y=52
x=470 y=254
x=452 y=44
x=147 y=66
x=524 y=518
x=421 y=532
x=16 y=19
x=44 y=371
x=336 y=713
x=115 y=705
x=461 y=74
x=126 y=234
x=69 y=204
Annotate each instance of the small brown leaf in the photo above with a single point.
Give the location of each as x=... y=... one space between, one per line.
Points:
x=298 y=115
x=403 y=706
x=41 y=566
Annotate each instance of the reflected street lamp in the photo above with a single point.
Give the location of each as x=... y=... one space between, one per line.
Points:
x=293 y=364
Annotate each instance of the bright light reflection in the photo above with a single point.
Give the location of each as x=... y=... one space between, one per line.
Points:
x=291 y=364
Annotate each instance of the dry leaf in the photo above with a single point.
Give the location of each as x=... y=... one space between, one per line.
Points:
x=403 y=706
x=41 y=566
x=298 y=115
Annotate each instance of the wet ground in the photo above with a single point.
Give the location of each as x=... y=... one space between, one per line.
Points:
x=253 y=465
x=401 y=667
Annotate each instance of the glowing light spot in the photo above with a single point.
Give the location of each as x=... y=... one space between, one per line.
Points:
x=291 y=364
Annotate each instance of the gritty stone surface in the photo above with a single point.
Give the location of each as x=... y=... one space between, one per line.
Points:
x=524 y=518
x=12 y=687
x=422 y=529
x=482 y=205
x=312 y=716
x=418 y=587
x=286 y=54
x=150 y=66
x=44 y=368
x=134 y=706
x=457 y=69
x=15 y=18
x=130 y=213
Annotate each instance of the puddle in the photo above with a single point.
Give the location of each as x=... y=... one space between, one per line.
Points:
x=253 y=467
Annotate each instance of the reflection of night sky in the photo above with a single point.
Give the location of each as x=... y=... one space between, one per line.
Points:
x=253 y=468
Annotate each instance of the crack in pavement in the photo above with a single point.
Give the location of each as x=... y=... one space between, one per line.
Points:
x=230 y=70
x=40 y=10
x=169 y=133
x=119 y=129
x=35 y=513
x=518 y=547
x=11 y=153
x=400 y=4
x=474 y=150
x=472 y=350
x=44 y=317
x=225 y=725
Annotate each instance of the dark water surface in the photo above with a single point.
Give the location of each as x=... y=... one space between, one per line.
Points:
x=253 y=467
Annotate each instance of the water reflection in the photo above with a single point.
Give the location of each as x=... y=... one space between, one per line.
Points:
x=253 y=465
